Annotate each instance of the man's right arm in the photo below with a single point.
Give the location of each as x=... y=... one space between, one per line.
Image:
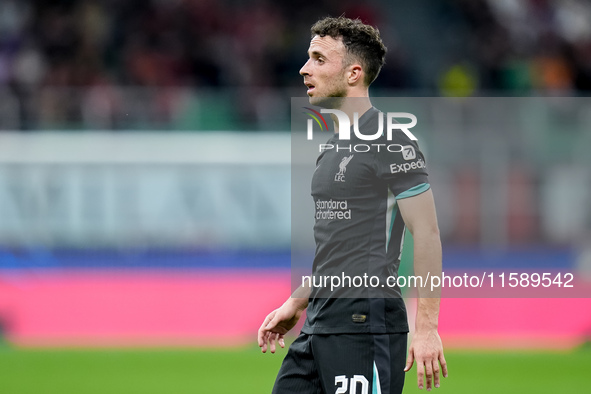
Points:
x=283 y=319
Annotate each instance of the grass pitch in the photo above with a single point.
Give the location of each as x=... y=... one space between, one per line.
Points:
x=248 y=371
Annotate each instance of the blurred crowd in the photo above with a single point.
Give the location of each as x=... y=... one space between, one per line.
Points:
x=525 y=46
x=152 y=63
x=155 y=43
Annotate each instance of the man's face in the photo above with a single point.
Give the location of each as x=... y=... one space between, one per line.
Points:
x=325 y=72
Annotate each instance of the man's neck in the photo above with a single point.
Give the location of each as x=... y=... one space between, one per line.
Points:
x=352 y=105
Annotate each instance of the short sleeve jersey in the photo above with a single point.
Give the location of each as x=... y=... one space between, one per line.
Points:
x=359 y=231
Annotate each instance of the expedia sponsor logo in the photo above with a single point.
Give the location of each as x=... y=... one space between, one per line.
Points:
x=405 y=167
x=408 y=152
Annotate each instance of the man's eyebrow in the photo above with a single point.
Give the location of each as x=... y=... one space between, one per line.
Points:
x=315 y=53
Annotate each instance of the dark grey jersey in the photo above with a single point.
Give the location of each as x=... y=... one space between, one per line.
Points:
x=359 y=231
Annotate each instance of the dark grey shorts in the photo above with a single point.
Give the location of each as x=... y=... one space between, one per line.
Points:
x=343 y=364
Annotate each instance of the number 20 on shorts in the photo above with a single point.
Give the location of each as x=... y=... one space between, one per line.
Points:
x=349 y=386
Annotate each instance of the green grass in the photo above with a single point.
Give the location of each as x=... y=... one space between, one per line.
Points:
x=248 y=371
x=525 y=372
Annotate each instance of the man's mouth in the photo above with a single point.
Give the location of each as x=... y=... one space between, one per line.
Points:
x=310 y=87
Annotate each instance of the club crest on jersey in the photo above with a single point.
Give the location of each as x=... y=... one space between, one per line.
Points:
x=340 y=175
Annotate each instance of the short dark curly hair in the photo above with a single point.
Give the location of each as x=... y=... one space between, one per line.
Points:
x=361 y=41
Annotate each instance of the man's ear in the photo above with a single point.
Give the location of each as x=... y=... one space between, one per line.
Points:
x=355 y=74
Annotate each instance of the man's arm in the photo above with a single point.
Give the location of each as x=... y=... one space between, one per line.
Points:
x=426 y=348
x=283 y=319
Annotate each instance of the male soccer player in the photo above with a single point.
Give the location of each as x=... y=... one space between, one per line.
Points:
x=354 y=340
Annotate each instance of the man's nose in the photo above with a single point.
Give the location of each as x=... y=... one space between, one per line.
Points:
x=305 y=69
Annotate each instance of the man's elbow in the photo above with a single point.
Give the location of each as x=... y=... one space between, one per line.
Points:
x=426 y=231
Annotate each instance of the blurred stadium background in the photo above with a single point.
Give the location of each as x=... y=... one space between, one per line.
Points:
x=145 y=224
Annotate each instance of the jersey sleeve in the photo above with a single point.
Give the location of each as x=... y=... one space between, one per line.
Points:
x=401 y=164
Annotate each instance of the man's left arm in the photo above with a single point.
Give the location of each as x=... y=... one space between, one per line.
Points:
x=426 y=348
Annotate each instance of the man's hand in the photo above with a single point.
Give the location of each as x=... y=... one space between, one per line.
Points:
x=278 y=323
x=427 y=350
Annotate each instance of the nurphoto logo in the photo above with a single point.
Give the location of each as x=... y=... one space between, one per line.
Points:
x=344 y=125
